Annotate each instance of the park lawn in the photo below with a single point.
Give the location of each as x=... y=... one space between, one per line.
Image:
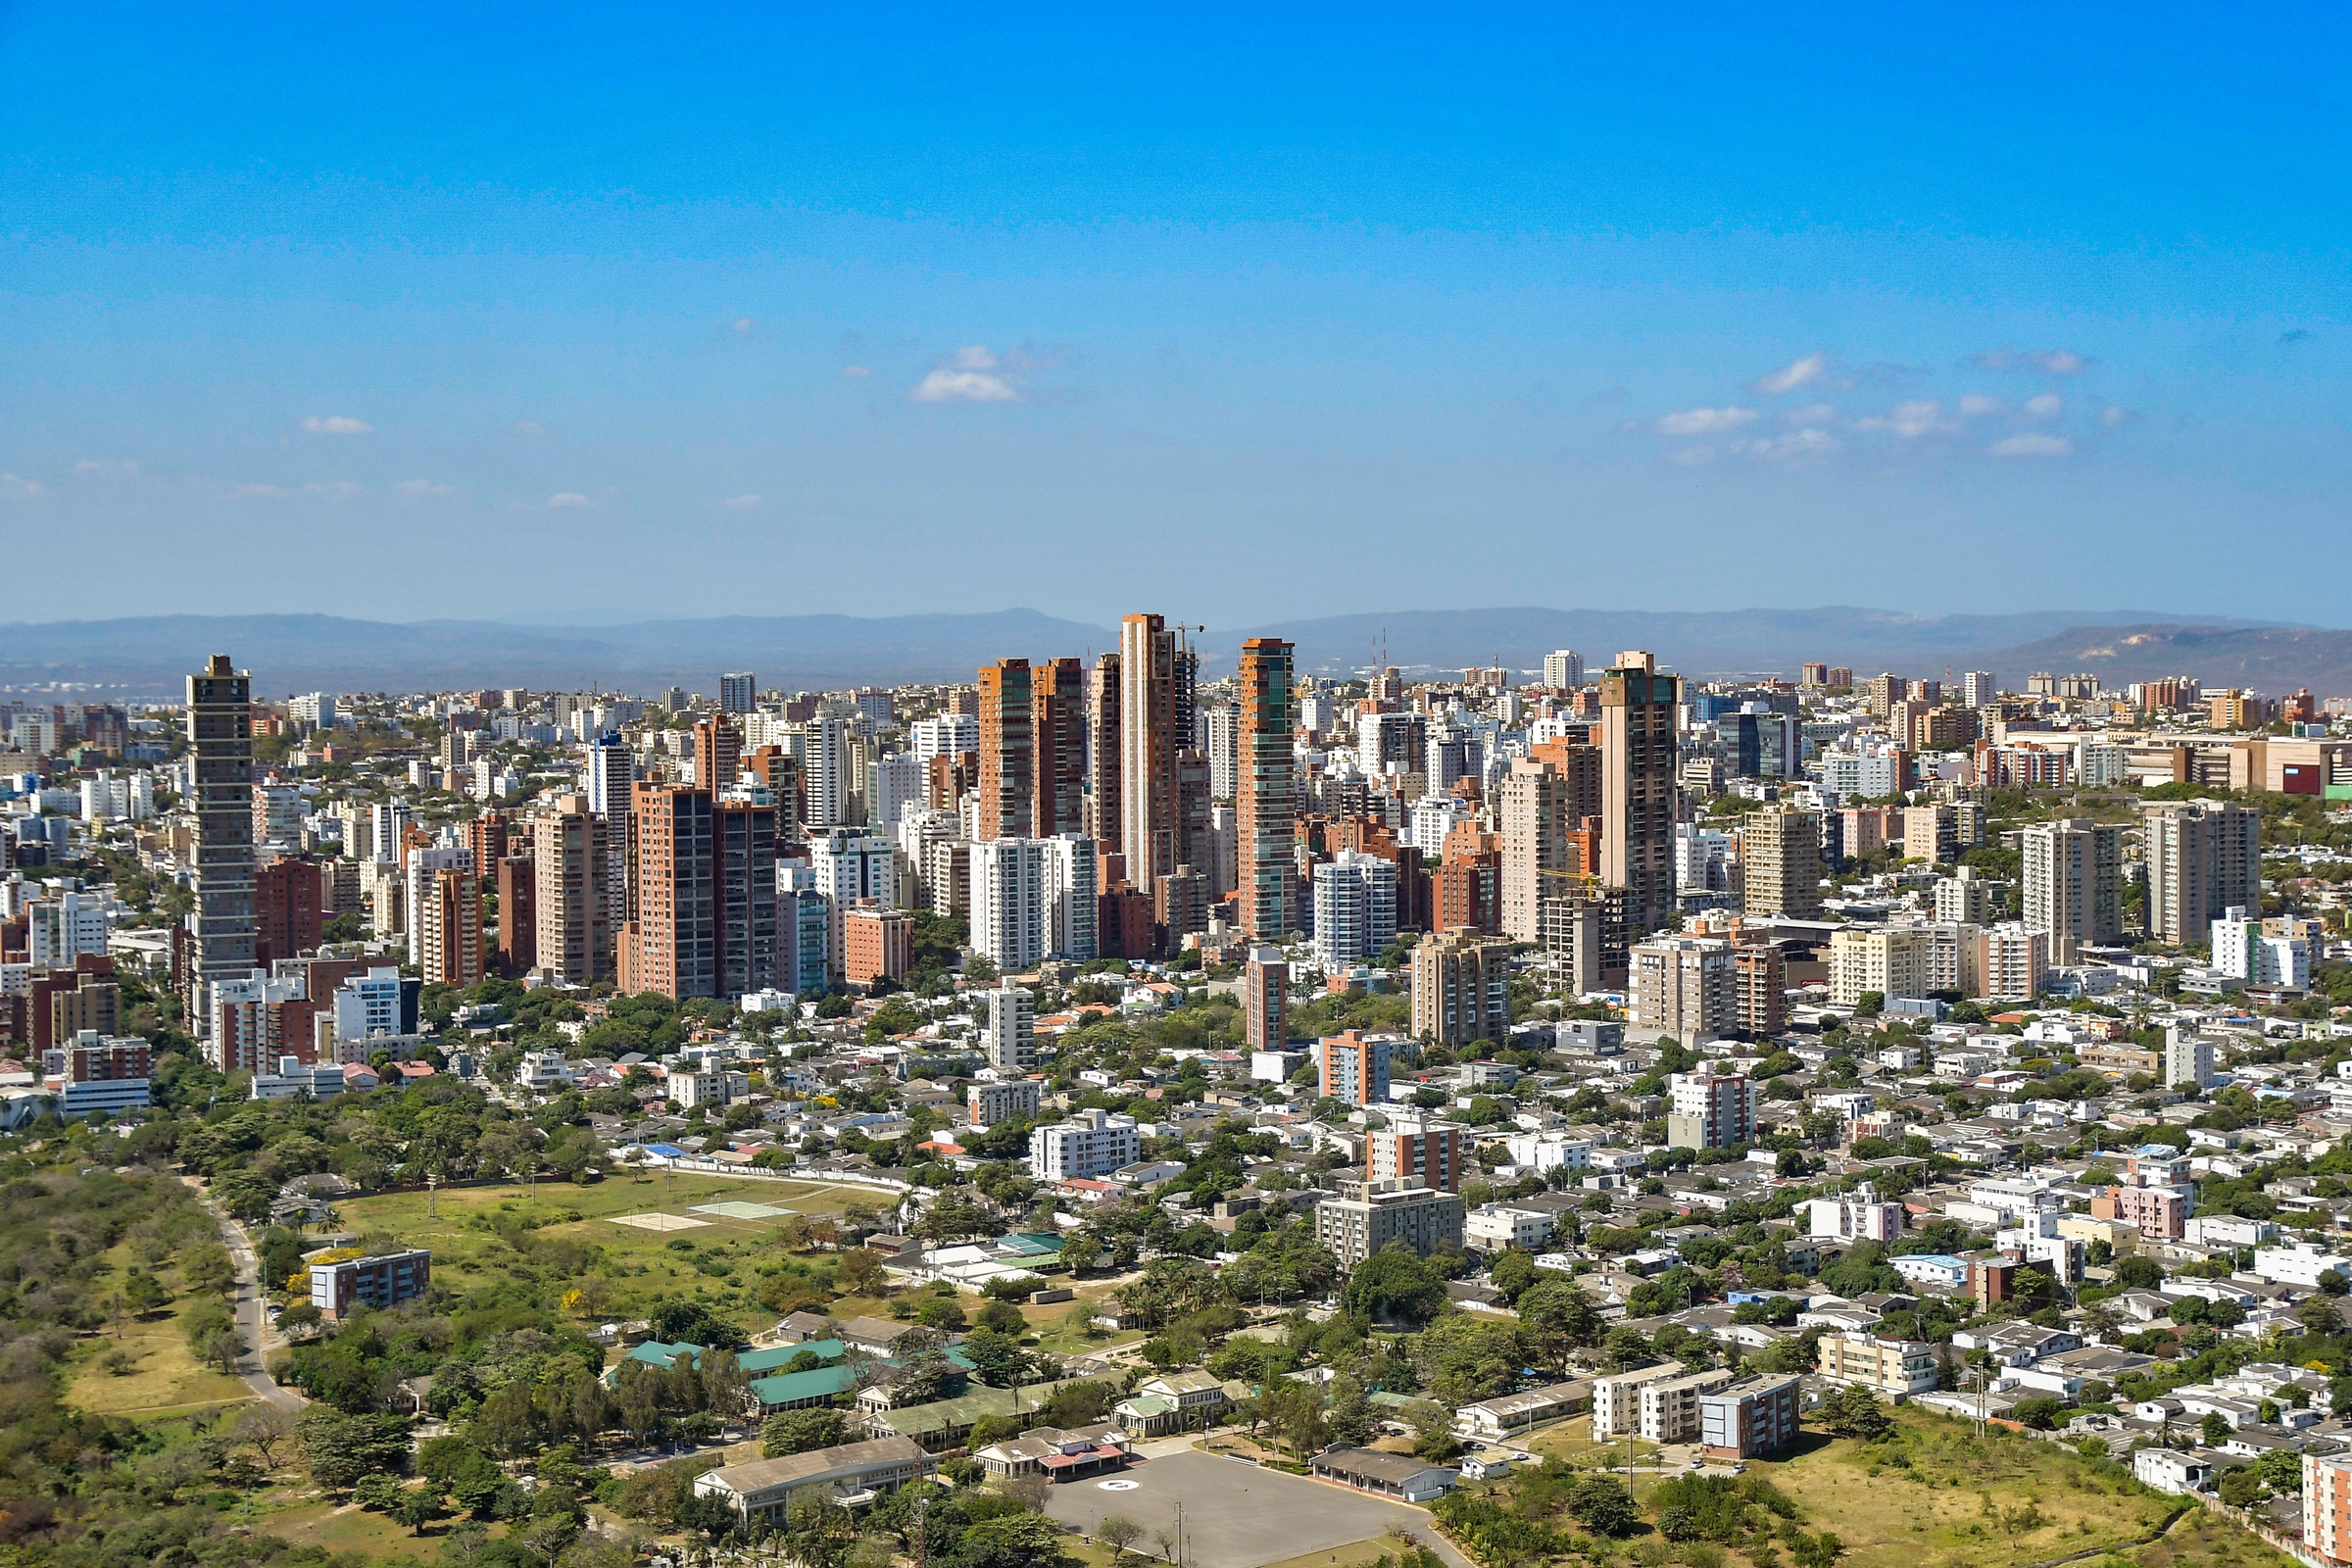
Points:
x=167 y=1380
x=340 y=1527
x=1966 y=1501
x=1572 y=1441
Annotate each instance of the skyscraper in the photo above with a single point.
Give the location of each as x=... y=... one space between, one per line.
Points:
x=718 y=752
x=448 y=924
x=221 y=927
x=1266 y=792
x=827 y=789
x=1058 y=699
x=2073 y=882
x=2204 y=858
x=744 y=914
x=570 y=868
x=1780 y=857
x=1535 y=847
x=669 y=943
x=737 y=692
x=1104 y=819
x=612 y=773
x=1009 y=902
x=1637 y=750
x=1148 y=746
x=1564 y=670
x=1007 y=751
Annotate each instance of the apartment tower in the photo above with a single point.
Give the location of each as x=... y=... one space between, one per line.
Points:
x=1057 y=699
x=669 y=943
x=1266 y=792
x=1103 y=737
x=2204 y=859
x=569 y=875
x=1007 y=751
x=1148 y=747
x=1637 y=748
x=221 y=927
x=1779 y=854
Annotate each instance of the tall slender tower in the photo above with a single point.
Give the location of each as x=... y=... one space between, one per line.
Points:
x=1638 y=747
x=1266 y=793
x=1058 y=696
x=222 y=926
x=718 y=752
x=1148 y=747
x=1007 y=749
x=1102 y=815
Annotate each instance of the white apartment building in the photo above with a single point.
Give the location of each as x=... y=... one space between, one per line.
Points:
x=1070 y=898
x=1433 y=817
x=1356 y=907
x=899 y=785
x=62 y=926
x=1091 y=1143
x=944 y=735
x=1011 y=1029
x=1009 y=902
x=1855 y=1216
x=849 y=866
x=364 y=1007
x=2263 y=952
x=1544 y=1152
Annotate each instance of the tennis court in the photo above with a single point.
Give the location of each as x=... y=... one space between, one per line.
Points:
x=737 y=1208
x=659 y=1222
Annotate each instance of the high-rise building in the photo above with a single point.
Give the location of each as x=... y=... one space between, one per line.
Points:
x=1105 y=736
x=1009 y=902
x=1979 y=687
x=1266 y=794
x=1367 y=1216
x=745 y=917
x=571 y=873
x=1780 y=857
x=738 y=693
x=2203 y=857
x=1007 y=751
x=1466 y=890
x=1685 y=986
x=2073 y=875
x=517 y=916
x=1536 y=853
x=1426 y=1155
x=1354 y=1070
x=447 y=921
x=828 y=789
x=612 y=775
x=1147 y=744
x=1710 y=1110
x=1637 y=789
x=717 y=754
x=849 y=866
x=876 y=944
x=1011 y=1029
x=1071 y=897
x=1461 y=990
x=669 y=942
x=1563 y=670
x=1266 y=995
x=1221 y=739
x=1356 y=907
x=289 y=911
x=221 y=926
x=1057 y=699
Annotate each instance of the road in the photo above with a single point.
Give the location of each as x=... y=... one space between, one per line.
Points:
x=253 y=1320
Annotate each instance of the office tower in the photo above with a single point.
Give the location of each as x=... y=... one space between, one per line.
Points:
x=1710 y=1110
x=1183 y=693
x=517 y=916
x=737 y=692
x=447 y=919
x=717 y=754
x=221 y=926
x=1266 y=792
x=1536 y=848
x=1638 y=751
x=2074 y=884
x=571 y=867
x=1011 y=1029
x=667 y=943
x=1356 y=907
x=1058 y=699
x=1007 y=751
x=1009 y=902
x=612 y=773
x=1148 y=746
x=1564 y=670
x=2203 y=856
x=1070 y=897
x=1979 y=687
x=1683 y=987
x=1354 y=1070
x=1104 y=739
x=1267 y=998
x=1780 y=857
x=827 y=787
x=1461 y=990
x=744 y=834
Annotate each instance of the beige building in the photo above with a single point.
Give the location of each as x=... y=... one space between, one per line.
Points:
x=2073 y=882
x=1367 y=1216
x=2204 y=858
x=574 y=893
x=1893 y=961
x=1657 y=1403
x=1537 y=856
x=1892 y=1369
x=1686 y=987
x=1461 y=989
x=1780 y=858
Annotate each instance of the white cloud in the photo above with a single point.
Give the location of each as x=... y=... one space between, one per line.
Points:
x=2048 y=405
x=1976 y=405
x=107 y=466
x=527 y=427
x=964 y=386
x=415 y=489
x=1798 y=446
x=2112 y=414
x=568 y=498
x=1810 y=414
x=742 y=503
x=974 y=358
x=338 y=490
x=742 y=325
x=2031 y=445
x=1911 y=418
x=1693 y=457
x=13 y=488
x=2049 y=362
x=1788 y=377
x=1704 y=421
x=857 y=373
x=336 y=424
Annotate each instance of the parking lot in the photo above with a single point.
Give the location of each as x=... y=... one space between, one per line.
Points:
x=1237 y=1515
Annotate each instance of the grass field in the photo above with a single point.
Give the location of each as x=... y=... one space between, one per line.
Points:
x=624 y=1268
x=164 y=1378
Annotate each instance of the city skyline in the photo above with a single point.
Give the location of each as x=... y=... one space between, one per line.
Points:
x=784 y=294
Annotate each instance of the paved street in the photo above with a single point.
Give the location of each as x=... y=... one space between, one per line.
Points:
x=253 y=1319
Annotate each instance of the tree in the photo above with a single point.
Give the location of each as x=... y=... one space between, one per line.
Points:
x=801 y=1431
x=859 y=1273
x=419 y=1508
x=1117 y=1531
x=997 y=1360
x=820 y=1532
x=1601 y=1505
x=1854 y=1412
x=342 y=1449
x=1004 y=1318
x=2214 y=1430
x=1558 y=1316
x=690 y=1322
x=263 y=1427
x=1396 y=1282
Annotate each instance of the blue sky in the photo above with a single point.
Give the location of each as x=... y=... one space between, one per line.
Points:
x=776 y=311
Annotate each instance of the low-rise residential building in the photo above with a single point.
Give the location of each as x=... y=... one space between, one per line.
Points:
x=338 y=1286
x=853 y=1473
x=1892 y=1369
x=1750 y=1419
x=1368 y=1215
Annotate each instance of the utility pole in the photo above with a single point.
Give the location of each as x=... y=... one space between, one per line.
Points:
x=431 y=1182
x=921 y=1541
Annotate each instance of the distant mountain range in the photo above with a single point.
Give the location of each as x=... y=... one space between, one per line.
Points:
x=149 y=656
